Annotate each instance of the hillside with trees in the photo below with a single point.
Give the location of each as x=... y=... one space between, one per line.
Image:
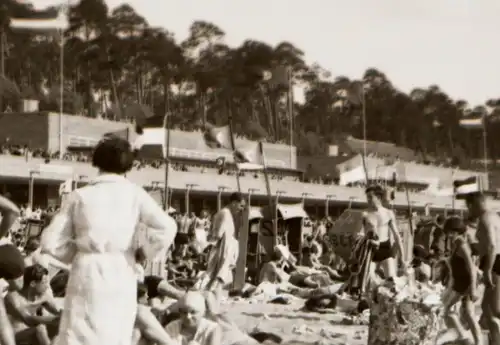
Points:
x=114 y=56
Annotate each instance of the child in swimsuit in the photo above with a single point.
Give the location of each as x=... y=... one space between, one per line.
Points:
x=463 y=283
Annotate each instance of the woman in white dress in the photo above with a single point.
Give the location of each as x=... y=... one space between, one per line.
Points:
x=95 y=232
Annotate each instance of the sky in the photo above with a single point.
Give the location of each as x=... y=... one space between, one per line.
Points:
x=416 y=43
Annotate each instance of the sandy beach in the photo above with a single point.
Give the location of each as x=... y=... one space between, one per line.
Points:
x=293 y=324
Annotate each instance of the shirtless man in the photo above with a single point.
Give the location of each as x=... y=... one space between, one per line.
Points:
x=488 y=238
x=11 y=264
x=147 y=329
x=194 y=327
x=26 y=308
x=380 y=222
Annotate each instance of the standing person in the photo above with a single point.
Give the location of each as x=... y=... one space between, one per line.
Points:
x=224 y=254
x=95 y=231
x=380 y=225
x=11 y=264
x=488 y=246
x=463 y=283
x=200 y=232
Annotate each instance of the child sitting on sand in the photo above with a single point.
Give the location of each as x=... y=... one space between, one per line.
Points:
x=462 y=285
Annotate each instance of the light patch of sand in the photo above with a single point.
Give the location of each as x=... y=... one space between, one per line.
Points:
x=292 y=324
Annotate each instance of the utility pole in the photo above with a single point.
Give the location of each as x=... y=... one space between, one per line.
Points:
x=2 y=51
x=3 y=25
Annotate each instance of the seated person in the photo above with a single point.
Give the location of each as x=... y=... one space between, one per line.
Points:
x=311 y=241
x=27 y=308
x=312 y=260
x=274 y=272
x=157 y=290
x=194 y=327
x=148 y=329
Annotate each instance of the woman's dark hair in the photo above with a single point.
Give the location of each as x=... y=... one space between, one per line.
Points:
x=113 y=155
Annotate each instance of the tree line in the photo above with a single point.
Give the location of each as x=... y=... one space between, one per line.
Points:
x=115 y=57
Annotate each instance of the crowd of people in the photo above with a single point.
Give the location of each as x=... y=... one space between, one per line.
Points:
x=89 y=256
x=139 y=163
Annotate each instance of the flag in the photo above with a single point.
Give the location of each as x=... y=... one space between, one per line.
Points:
x=355 y=93
x=66 y=187
x=152 y=137
x=279 y=76
x=217 y=137
x=467 y=186
x=155 y=137
x=122 y=133
x=354 y=175
x=250 y=158
x=51 y=24
x=472 y=123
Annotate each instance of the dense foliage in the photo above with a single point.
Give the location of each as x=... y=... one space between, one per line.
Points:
x=114 y=56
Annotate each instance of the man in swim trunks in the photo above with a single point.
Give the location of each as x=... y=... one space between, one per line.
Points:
x=11 y=264
x=380 y=226
x=26 y=308
x=488 y=237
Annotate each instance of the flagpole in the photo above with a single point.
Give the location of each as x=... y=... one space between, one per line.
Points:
x=269 y=193
x=485 y=146
x=166 y=156
x=233 y=148
x=453 y=190
x=290 y=112
x=61 y=90
x=363 y=116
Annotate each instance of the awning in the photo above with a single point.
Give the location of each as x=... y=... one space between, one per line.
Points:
x=292 y=211
x=255 y=213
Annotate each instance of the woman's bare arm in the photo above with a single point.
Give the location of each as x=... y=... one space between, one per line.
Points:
x=10 y=212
